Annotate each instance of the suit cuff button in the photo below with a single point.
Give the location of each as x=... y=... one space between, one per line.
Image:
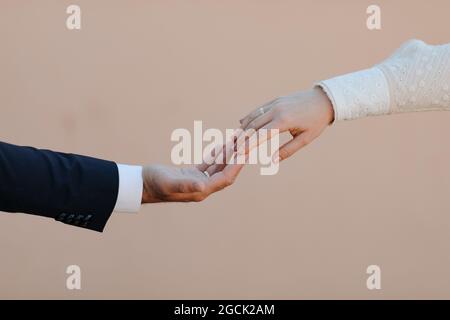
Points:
x=61 y=217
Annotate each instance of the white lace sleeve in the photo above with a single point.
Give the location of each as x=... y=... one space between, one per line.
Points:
x=415 y=78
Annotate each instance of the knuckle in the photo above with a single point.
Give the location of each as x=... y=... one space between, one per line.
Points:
x=284 y=153
x=229 y=181
x=275 y=101
x=306 y=140
x=277 y=105
x=279 y=101
x=199 y=187
x=250 y=130
x=283 y=117
x=251 y=126
x=226 y=182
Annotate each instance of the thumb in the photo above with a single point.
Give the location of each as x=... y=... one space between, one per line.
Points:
x=291 y=147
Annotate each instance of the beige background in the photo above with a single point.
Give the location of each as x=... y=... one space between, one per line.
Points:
x=373 y=191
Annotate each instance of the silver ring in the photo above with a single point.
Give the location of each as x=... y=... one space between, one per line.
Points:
x=206 y=173
x=261 y=111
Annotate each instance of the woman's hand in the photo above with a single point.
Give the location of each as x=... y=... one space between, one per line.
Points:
x=305 y=115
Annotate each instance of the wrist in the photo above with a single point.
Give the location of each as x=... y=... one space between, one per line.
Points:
x=148 y=193
x=145 y=187
x=145 y=196
x=324 y=102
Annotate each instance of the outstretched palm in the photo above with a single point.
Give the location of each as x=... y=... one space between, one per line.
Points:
x=167 y=183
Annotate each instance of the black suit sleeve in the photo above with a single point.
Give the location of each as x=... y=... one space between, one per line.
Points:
x=73 y=189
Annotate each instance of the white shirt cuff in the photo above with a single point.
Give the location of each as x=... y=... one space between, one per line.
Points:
x=130 y=188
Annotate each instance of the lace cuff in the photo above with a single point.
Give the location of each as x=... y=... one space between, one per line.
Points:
x=358 y=94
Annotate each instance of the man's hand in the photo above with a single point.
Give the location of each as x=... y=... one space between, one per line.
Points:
x=173 y=184
x=305 y=115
